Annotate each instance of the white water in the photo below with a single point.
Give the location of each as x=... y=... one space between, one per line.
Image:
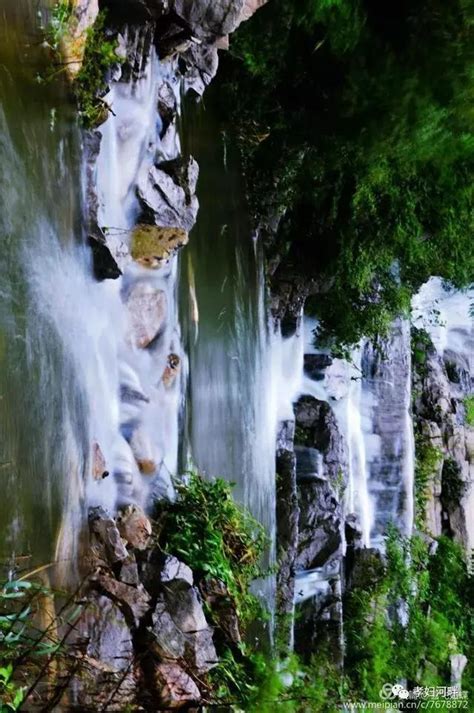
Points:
x=130 y=145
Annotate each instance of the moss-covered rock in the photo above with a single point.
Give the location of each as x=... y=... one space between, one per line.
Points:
x=152 y=244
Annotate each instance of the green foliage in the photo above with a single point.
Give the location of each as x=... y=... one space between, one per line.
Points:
x=59 y=23
x=469 y=406
x=91 y=83
x=428 y=459
x=217 y=538
x=435 y=592
x=356 y=122
x=453 y=486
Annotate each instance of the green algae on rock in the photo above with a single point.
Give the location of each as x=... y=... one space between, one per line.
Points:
x=152 y=244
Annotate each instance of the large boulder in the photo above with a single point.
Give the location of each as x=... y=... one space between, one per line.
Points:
x=167 y=194
x=210 y=18
x=153 y=245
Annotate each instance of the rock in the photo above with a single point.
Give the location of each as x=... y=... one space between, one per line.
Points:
x=200 y=653
x=320 y=524
x=168 y=640
x=458 y=664
x=210 y=18
x=167 y=195
x=199 y=66
x=287 y=516
x=134 y=527
x=174 y=570
x=99 y=466
x=217 y=598
x=353 y=530
x=315 y=364
x=171 y=370
x=185 y=607
x=147 y=307
x=73 y=39
x=134 y=601
x=144 y=451
x=177 y=689
x=105 y=265
x=106 y=543
x=107 y=674
x=249 y=8
x=167 y=106
x=364 y=569
x=129 y=571
x=153 y=245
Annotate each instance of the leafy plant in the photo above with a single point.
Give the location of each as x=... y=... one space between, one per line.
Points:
x=428 y=459
x=206 y=529
x=59 y=22
x=469 y=406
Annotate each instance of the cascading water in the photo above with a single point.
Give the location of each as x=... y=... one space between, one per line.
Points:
x=145 y=425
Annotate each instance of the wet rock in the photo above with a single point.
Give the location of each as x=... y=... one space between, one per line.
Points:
x=104 y=264
x=458 y=664
x=167 y=106
x=147 y=308
x=134 y=527
x=99 y=465
x=177 y=689
x=365 y=569
x=287 y=514
x=315 y=364
x=106 y=542
x=320 y=524
x=353 y=530
x=134 y=601
x=185 y=607
x=171 y=370
x=318 y=428
x=319 y=624
x=152 y=245
x=144 y=451
x=167 y=195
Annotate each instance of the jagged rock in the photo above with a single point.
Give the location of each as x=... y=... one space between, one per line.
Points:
x=168 y=639
x=185 y=606
x=177 y=689
x=217 y=598
x=320 y=524
x=353 y=530
x=107 y=672
x=199 y=66
x=318 y=428
x=147 y=307
x=106 y=543
x=129 y=571
x=153 y=245
x=167 y=106
x=167 y=195
x=174 y=570
x=134 y=601
x=210 y=18
x=134 y=527
x=99 y=465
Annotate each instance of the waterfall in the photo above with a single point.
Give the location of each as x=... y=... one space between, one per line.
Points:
x=371 y=398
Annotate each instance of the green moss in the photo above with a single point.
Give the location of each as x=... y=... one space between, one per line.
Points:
x=453 y=486
x=91 y=83
x=59 y=22
x=469 y=406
